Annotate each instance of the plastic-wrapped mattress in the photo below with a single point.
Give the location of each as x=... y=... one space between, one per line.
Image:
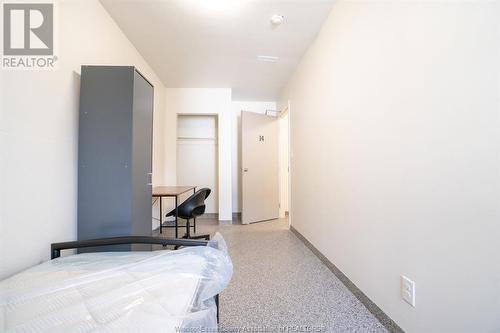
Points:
x=160 y=291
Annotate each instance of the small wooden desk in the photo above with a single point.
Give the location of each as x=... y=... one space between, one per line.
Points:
x=171 y=191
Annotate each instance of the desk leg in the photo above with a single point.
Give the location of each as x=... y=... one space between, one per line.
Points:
x=194 y=220
x=176 y=214
x=161 y=216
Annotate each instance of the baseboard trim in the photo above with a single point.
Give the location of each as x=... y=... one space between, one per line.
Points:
x=236 y=217
x=384 y=319
x=211 y=216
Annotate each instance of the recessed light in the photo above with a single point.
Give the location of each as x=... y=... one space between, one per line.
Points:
x=267 y=58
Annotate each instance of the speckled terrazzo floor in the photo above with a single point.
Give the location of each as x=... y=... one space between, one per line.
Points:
x=279 y=285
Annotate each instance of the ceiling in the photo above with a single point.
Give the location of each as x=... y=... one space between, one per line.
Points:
x=214 y=43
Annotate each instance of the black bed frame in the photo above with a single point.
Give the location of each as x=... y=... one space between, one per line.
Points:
x=55 y=248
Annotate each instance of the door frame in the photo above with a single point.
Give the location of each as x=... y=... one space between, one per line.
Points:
x=283 y=113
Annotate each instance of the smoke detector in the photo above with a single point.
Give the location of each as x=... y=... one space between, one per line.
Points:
x=277 y=20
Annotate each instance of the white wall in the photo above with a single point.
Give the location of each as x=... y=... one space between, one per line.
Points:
x=197 y=155
x=38 y=134
x=194 y=101
x=237 y=107
x=395 y=156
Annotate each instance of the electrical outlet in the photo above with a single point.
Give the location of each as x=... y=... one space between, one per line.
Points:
x=408 y=290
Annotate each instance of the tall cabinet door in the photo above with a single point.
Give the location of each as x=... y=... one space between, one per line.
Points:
x=104 y=152
x=142 y=137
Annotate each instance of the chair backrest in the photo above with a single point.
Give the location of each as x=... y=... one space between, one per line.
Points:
x=194 y=205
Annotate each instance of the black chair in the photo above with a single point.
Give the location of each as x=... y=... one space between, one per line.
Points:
x=193 y=207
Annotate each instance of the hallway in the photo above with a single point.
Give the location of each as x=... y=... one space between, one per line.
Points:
x=279 y=285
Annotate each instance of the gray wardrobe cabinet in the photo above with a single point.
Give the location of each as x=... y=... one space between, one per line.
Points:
x=114 y=153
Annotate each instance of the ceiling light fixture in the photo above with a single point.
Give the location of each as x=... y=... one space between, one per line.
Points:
x=267 y=58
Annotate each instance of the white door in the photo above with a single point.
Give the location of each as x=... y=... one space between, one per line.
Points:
x=260 y=167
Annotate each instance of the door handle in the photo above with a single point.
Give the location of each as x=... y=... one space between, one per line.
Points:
x=149 y=179
x=245 y=170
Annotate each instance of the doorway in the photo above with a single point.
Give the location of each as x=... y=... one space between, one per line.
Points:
x=260 y=162
x=265 y=165
x=197 y=156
